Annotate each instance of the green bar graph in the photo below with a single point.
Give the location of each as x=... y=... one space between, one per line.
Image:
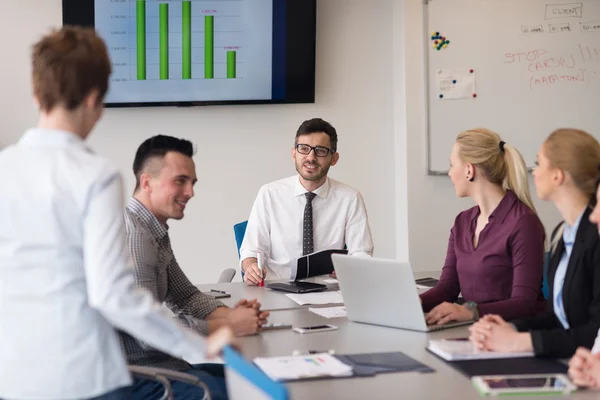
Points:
x=164 y=40
x=141 y=38
x=209 y=46
x=186 y=39
x=231 y=59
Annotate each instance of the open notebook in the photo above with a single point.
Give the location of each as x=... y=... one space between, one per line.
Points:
x=463 y=349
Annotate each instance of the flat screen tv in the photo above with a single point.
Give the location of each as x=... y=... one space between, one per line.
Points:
x=203 y=52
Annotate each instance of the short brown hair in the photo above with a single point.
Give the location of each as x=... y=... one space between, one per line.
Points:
x=68 y=64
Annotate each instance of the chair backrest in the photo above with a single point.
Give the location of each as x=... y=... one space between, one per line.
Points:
x=239 y=230
x=227 y=275
x=164 y=376
x=245 y=381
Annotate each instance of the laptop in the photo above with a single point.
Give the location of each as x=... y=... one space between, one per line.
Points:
x=382 y=292
x=297 y=287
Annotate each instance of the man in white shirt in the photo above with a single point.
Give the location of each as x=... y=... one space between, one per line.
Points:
x=66 y=282
x=305 y=213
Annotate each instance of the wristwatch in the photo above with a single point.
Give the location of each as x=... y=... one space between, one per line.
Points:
x=472 y=306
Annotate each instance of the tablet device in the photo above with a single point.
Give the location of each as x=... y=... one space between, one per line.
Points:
x=504 y=385
x=275 y=325
x=297 y=287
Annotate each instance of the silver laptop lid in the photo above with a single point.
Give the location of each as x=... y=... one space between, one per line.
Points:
x=379 y=291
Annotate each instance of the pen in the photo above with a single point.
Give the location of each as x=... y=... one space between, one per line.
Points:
x=218 y=291
x=259 y=261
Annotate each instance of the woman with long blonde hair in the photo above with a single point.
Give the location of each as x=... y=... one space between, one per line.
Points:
x=496 y=249
x=567 y=166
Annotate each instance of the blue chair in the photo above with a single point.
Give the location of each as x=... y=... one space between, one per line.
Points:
x=239 y=230
x=245 y=381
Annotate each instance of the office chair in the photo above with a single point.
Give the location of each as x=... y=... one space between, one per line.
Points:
x=163 y=375
x=245 y=381
x=239 y=231
x=227 y=275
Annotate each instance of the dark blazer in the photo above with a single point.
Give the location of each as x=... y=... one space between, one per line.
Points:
x=581 y=298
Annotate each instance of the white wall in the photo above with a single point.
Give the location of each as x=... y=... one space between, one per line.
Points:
x=242 y=147
x=370 y=85
x=432 y=203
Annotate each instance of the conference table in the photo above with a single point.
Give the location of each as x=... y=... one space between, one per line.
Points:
x=272 y=300
x=353 y=338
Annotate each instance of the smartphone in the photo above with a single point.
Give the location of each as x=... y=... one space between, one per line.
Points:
x=500 y=385
x=429 y=282
x=315 y=328
x=275 y=325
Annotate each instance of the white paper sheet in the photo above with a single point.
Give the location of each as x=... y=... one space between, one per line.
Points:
x=317 y=298
x=330 y=281
x=452 y=84
x=301 y=367
x=203 y=360
x=330 y=312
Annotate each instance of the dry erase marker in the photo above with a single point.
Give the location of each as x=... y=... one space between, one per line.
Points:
x=259 y=261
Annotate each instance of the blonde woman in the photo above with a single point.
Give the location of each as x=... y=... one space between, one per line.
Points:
x=584 y=366
x=496 y=249
x=565 y=175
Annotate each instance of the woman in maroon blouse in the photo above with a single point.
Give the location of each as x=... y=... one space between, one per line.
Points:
x=496 y=249
x=566 y=176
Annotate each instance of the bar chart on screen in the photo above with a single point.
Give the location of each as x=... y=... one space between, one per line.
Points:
x=187 y=41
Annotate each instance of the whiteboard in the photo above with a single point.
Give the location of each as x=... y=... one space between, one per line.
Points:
x=536 y=68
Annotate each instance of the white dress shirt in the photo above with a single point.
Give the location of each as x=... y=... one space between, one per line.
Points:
x=569 y=235
x=276 y=222
x=65 y=275
x=596 y=348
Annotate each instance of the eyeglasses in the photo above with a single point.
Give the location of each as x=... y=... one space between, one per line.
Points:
x=320 y=151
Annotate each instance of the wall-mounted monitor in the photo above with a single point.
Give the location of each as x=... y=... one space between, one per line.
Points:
x=201 y=52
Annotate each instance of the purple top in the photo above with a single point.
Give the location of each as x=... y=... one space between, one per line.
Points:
x=503 y=275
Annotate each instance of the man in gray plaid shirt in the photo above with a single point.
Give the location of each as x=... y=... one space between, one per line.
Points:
x=165 y=175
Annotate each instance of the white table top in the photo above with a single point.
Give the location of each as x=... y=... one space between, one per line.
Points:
x=275 y=300
x=445 y=383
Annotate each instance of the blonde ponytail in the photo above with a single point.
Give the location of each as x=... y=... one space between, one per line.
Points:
x=501 y=163
x=516 y=178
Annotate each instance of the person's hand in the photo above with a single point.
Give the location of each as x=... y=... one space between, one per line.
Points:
x=215 y=342
x=244 y=320
x=446 y=312
x=584 y=368
x=247 y=303
x=492 y=333
x=333 y=275
x=254 y=303
x=252 y=274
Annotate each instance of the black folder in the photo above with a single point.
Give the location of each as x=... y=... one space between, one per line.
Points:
x=370 y=364
x=512 y=366
x=316 y=264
